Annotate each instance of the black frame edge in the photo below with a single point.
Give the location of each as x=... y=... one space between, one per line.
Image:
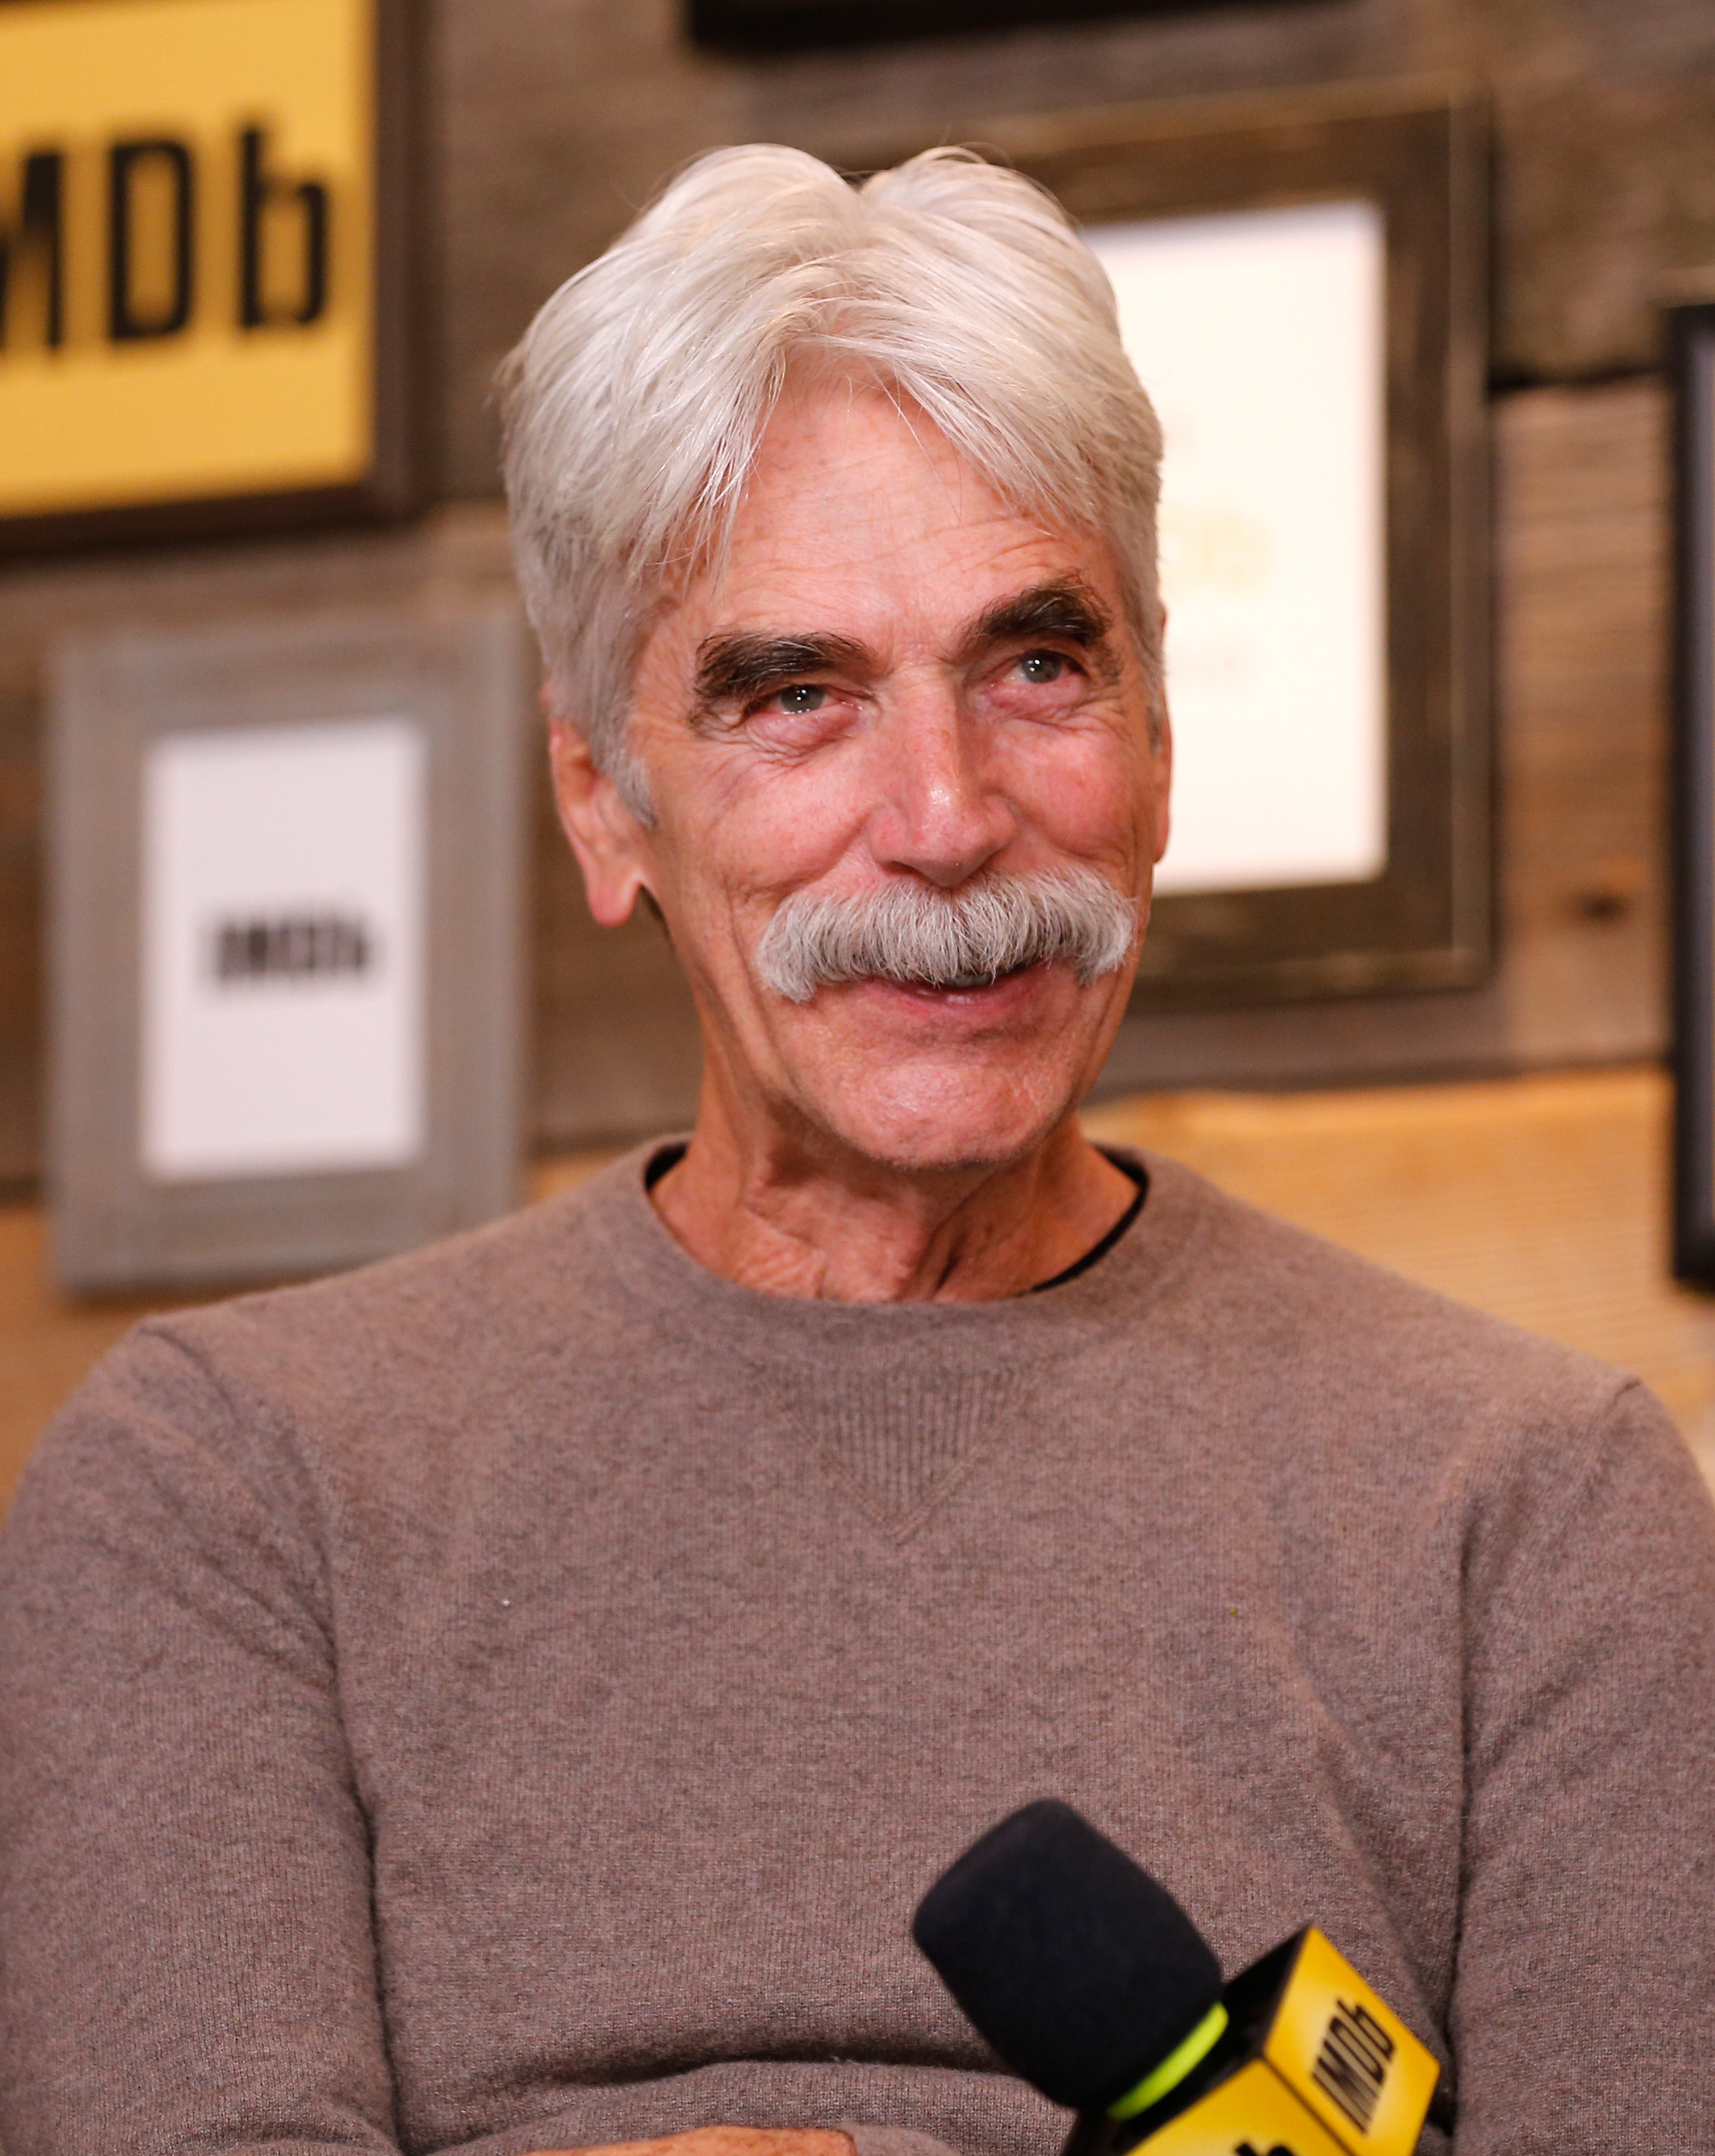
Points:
x=1691 y=788
x=787 y=26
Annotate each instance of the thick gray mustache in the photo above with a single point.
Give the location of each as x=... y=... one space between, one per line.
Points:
x=912 y=933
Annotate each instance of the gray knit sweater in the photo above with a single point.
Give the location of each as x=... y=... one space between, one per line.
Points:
x=513 y=1697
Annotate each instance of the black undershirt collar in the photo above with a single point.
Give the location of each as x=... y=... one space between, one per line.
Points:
x=669 y=1156
x=1097 y=1251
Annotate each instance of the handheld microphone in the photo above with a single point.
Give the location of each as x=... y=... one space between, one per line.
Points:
x=1093 y=1984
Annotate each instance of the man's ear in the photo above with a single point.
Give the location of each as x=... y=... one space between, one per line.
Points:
x=612 y=846
x=1161 y=739
x=1164 y=756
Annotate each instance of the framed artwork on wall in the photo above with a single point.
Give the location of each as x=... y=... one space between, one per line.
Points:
x=1299 y=283
x=1692 y=346
x=209 y=270
x=782 y=25
x=285 y=933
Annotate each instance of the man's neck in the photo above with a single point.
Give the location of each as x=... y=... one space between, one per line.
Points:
x=794 y=1217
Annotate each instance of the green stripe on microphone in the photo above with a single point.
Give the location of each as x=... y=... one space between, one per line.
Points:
x=1174 y=2068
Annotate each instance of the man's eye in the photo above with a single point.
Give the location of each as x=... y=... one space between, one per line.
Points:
x=1039 y=668
x=801 y=697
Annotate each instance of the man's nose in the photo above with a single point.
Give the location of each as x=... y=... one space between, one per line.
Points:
x=938 y=811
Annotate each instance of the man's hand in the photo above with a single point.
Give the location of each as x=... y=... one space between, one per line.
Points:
x=726 y=2141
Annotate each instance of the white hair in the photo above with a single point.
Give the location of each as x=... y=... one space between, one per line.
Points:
x=635 y=402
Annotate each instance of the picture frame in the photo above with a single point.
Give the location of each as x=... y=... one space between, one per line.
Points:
x=285 y=942
x=1691 y=344
x=1425 y=921
x=764 y=26
x=252 y=214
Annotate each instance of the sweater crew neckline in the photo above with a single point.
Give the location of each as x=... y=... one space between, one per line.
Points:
x=652 y=1269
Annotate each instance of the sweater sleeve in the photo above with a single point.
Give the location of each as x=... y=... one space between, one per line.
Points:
x=187 y=1962
x=1586 y=1958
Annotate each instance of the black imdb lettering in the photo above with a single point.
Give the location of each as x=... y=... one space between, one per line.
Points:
x=172 y=212
x=1352 y=2063
x=292 y=947
x=263 y=198
x=1250 y=2149
x=131 y=168
x=35 y=238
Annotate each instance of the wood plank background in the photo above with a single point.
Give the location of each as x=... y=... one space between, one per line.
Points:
x=1581 y=569
x=553 y=120
x=557 y=118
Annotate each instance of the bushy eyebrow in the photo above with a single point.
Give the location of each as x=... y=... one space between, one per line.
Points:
x=1065 y=609
x=734 y=668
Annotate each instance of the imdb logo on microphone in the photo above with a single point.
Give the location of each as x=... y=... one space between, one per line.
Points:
x=195 y=263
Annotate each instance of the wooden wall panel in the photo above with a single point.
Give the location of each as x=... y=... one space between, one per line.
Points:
x=559 y=118
x=1581 y=582
x=553 y=119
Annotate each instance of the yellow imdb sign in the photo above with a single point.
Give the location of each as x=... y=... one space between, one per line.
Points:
x=196 y=242
x=1326 y=2069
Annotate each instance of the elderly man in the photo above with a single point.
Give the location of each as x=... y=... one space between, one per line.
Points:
x=512 y=1698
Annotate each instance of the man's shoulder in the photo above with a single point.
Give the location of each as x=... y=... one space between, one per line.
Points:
x=380 y=1395
x=390 y=1348
x=544 y=1257
x=1340 y=1394
x=1276 y=1299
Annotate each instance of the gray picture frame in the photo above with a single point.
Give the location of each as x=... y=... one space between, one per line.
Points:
x=462 y=674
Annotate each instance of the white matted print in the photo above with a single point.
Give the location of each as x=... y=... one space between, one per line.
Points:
x=282 y=931
x=285 y=940
x=1259 y=334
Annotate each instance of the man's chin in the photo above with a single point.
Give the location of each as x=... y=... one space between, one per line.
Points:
x=926 y=1080
x=936 y=1115
x=917 y=1154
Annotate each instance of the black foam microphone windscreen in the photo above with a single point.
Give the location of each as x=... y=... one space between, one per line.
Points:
x=1081 y=1970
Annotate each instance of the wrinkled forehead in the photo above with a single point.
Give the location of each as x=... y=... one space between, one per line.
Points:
x=860 y=520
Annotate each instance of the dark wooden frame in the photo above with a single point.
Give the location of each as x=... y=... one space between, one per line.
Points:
x=765 y=26
x=461 y=672
x=1691 y=349
x=1426 y=923
x=394 y=486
